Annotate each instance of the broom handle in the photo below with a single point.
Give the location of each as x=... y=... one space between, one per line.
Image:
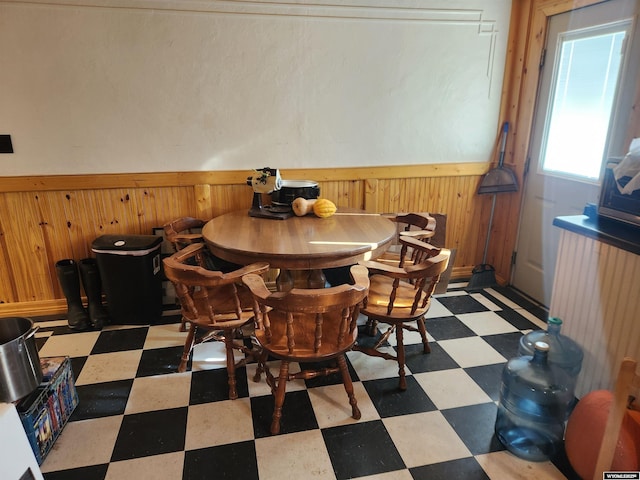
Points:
x=505 y=130
x=486 y=243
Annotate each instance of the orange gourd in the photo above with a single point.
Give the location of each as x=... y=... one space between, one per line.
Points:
x=324 y=208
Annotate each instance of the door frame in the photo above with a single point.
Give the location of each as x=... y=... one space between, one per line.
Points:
x=565 y=193
x=527 y=38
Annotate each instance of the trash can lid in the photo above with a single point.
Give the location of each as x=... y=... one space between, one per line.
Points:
x=126 y=244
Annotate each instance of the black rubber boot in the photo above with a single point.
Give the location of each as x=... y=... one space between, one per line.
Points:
x=69 y=279
x=93 y=288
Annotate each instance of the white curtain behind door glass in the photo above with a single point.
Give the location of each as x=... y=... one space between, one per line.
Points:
x=586 y=78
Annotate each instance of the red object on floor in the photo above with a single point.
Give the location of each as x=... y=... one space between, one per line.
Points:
x=585 y=430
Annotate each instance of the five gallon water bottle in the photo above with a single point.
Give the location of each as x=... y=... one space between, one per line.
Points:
x=534 y=397
x=563 y=352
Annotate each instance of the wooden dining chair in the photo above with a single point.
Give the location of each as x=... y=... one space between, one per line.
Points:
x=213 y=301
x=179 y=233
x=417 y=225
x=421 y=226
x=183 y=231
x=307 y=326
x=400 y=295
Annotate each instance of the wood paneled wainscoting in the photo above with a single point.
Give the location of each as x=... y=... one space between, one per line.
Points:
x=46 y=219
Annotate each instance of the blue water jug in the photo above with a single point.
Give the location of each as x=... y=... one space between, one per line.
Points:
x=534 y=398
x=563 y=351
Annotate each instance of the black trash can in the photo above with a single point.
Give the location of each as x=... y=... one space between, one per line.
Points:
x=130 y=271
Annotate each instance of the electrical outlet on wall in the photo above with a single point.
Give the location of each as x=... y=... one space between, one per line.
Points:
x=5 y=144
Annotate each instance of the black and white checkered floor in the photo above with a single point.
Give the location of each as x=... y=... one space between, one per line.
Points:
x=138 y=419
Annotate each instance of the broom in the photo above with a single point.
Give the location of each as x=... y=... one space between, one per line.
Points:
x=497 y=180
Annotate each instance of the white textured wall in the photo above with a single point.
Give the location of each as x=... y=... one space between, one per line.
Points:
x=164 y=85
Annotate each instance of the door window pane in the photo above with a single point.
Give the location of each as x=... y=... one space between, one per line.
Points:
x=583 y=93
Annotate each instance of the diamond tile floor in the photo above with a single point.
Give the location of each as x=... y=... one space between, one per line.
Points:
x=138 y=419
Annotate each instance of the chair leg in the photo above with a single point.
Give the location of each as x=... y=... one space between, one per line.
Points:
x=231 y=364
x=423 y=333
x=371 y=327
x=401 y=356
x=183 y=324
x=262 y=360
x=279 y=397
x=348 y=386
x=188 y=346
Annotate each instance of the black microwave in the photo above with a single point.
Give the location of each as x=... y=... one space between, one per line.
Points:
x=615 y=205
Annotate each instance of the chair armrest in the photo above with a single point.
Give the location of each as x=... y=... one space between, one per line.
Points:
x=187 y=237
x=178 y=259
x=422 y=234
x=257 y=268
x=412 y=241
x=182 y=224
x=360 y=275
x=189 y=251
x=383 y=269
x=256 y=284
x=438 y=263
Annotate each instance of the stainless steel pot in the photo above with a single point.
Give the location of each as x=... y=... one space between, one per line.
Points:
x=292 y=189
x=20 y=370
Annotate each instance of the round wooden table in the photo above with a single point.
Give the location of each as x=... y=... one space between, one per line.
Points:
x=299 y=243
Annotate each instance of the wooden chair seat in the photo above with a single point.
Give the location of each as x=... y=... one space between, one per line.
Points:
x=307 y=326
x=380 y=291
x=401 y=294
x=213 y=301
x=421 y=226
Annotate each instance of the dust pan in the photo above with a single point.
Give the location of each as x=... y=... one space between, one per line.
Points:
x=496 y=180
x=499 y=179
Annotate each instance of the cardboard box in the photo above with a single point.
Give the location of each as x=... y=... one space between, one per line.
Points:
x=45 y=412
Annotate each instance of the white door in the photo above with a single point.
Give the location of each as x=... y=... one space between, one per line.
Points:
x=579 y=85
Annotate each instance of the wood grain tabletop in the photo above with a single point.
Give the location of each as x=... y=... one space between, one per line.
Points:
x=299 y=243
